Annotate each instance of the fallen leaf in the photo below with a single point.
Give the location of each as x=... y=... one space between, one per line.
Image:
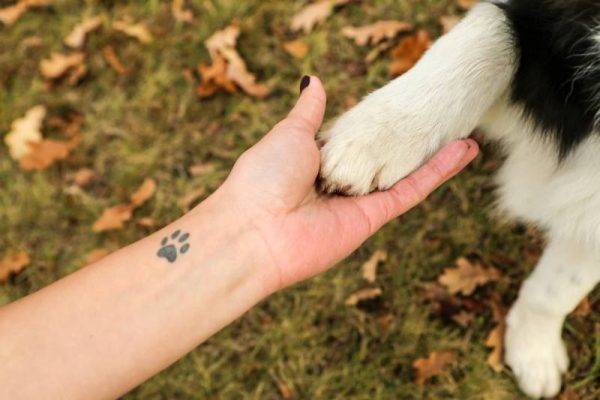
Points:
x=13 y=264
x=467 y=276
x=114 y=218
x=228 y=68
x=76 y=38
x=113 y=60
x=296 y=48
x=466 y=4
x=432 y=365
x=448 y=22
x=180 y=13
x=377 y=32
x=25 y=131
x=95 y=255
x=463 y=318
x=9 y=15
x=137 y=31
x=408 y=52
x=146 y=222
x=362 y=295
x=369 y=268
x=144 y=193
x=84 y=177
x=584 y=308
x=285 y=391
x=201 y=169
x=569 y=394
x=59 y=65
x=45 y=153
x=496 y=340
x=315 y=13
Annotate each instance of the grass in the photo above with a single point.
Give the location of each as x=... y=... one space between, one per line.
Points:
x=150 y=123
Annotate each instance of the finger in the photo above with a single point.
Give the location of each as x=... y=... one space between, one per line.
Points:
x=382 y=207
x=307 y=115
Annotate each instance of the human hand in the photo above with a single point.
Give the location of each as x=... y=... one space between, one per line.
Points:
x=272 y=189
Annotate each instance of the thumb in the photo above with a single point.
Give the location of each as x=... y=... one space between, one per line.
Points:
x=309 y=111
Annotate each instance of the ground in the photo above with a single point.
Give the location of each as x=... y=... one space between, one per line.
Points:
x=305 y=342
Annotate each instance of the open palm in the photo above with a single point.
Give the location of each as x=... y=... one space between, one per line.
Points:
x=305 y=232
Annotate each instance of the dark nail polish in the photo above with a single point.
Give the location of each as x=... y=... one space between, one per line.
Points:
x=304 y=83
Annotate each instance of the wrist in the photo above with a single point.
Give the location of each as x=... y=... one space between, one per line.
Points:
x=227 y=235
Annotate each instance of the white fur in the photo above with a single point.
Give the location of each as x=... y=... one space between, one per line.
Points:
x=462 y=82
x=396 y=128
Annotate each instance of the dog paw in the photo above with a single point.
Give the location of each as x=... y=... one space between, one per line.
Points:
x=535 y=351
x=372 y=147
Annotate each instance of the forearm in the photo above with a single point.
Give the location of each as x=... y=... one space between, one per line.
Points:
x=103 y=330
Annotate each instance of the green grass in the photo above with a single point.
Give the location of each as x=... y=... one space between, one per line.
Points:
x=151 y=124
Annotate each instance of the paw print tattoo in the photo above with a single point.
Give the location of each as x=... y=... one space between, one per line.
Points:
x=174 y=245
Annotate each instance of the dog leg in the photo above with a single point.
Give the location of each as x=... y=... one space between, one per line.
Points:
x=395 y=129
x=565 y=274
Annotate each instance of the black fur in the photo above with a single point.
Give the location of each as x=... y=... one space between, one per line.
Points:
x=555 y=43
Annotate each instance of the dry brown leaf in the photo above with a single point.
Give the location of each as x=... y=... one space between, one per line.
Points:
x=45 y=153
x=13 y=264
x=377 y=32
x=144 y=193
x=84 y=177
x=238 y=72
x=315 y=13
x=584 y=308
x=58 y=65
x=408 y=52
x=362 y=295
x=113 y=60
x=9 y=15
x=296 y=48
x=467 y=276
x=180 y=13
x=369 y=268
x=95 y=255
x=146 y=222
x=466 y=4
x=448 y=22
x=463 y=318
x=76 y=38
x=201 y=169
x=25 y=131
x=113 y=218
x=285 y=391
x=432 y=365
x=569 y=394
x=137 y=31
x=496 y=340
x=228 y=68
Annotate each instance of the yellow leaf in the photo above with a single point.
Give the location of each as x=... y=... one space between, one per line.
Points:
x=296 y=48
x=58 y=65
x=377 y=32
x=13 y=264
x=76 y=38
x=25 y=131
x=113 y=218
x=362 y=295
x=313 y=14
x=467 y=277
x=144 y=193
x=137 y=31
x=180 y=13
x=369 y=268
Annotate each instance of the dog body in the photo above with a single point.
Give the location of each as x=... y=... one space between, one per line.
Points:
x=528 y=73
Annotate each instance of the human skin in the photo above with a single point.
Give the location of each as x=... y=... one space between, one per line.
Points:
x=103 y=330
